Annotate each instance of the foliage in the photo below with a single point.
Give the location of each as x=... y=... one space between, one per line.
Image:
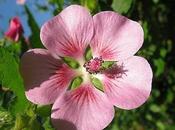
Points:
x=121 y=6
x=35 y=36
x=8 y=72
x=157 y=19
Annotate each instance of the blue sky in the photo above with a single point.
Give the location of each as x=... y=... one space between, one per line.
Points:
x=9 y=9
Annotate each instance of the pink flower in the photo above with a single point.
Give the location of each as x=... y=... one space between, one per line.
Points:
x=15 y=29
x=112 y=37
x=20 y=2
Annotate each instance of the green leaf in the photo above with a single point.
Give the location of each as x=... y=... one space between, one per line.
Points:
x=35 y=36
x=149 y=117
x=170 y=126
x=145 y=29
x=59 y=5
x=88 y=54
x=160 y=66
x=6 y=119
x=34 y=124
x=160 y=125
x=26 y=122
x=14 y=48
x=10 y=77
x=155 y=108
x=121 y=6
x=71 y=62
x=107 y=64
x=163 y=52
x=90 y=4
x=47 y=124
x=2 y=41
x=76 y=82
x=43 y=111
x=170 y=96
x=97 y=83
x=21 y=121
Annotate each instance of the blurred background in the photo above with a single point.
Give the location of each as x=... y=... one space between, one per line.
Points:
x=157 y=18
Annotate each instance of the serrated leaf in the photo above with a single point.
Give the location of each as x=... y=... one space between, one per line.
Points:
x=121 y=6
x=10 y=77
x=35 y=36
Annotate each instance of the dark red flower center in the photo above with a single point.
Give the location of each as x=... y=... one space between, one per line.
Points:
x=94 y=65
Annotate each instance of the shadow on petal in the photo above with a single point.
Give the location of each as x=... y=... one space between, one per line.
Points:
x=116 y=71
x=45 y=77
x=60 y=124
x=38 y=66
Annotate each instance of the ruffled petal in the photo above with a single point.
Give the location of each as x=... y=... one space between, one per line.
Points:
x=69 y=33
x=45 y=77
x=85 y=108
x=116 y=37
x=129 y=85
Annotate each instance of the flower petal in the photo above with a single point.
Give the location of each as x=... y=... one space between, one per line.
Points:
x=85 y=108
x=69 y=33
x=116 y=37
x=45 y=77
x=133 y=85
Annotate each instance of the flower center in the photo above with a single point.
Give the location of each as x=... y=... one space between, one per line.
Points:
x=94 y=65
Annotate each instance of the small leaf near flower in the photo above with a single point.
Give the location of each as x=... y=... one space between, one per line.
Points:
x=107 y=64
x=71 y=62
x=76 y=82
x=97 y=83
x=88 y=53
x=43 y=110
